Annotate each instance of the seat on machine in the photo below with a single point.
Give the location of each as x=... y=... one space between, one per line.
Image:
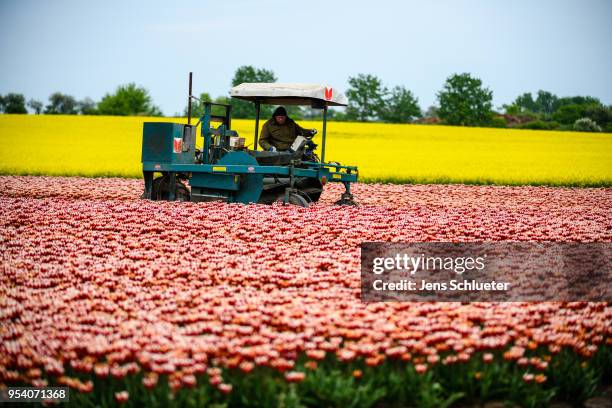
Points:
x=265 y=158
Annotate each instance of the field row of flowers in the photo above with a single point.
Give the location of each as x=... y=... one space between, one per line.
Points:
x=155 y=303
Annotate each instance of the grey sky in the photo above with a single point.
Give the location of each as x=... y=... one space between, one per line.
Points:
x=87 y=48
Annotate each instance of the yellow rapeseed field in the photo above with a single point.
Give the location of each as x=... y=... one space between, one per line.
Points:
x=111 y=146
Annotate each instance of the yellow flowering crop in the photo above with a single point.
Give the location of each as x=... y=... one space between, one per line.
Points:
x=111 y=146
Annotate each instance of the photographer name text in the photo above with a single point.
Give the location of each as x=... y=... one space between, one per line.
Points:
x=451 y=286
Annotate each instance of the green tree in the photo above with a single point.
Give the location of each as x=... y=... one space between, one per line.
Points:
x=128 y=100
x=36 y=106
x=546 y=102
x=366 y=98
x=224 y=100
x=248 y=73
x=522 y=104
x=464 y=101
x=526 y=103
x=87 y=107
x=400 y=106
x=512 y=109
x=295 y=111
x=13 y=103
x=578 y=100
x=60 y=104
x=568 y=114
x=600 y=114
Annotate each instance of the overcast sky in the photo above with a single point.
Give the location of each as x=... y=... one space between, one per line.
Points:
x=87 y=48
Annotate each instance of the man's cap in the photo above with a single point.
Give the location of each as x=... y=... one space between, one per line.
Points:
x=280 y=111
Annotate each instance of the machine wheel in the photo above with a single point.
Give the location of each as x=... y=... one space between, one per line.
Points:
x=346 y=199
x=310 y=189
x=295 y=199
x=160 y=189
x=314 y=196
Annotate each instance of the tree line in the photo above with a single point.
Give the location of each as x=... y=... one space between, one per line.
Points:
x=548 y=111
x=463 y=100
x=127 y=100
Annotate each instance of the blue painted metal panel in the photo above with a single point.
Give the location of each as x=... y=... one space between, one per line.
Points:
x=251 y=184
x=339 y=177
x=165 y=142
x=215 y=181
x=156 y=166
x=245 y=169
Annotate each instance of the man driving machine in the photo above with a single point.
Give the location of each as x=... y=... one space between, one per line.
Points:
x=280 y=131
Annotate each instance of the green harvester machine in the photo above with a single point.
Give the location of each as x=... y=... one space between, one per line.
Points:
x=225 y=170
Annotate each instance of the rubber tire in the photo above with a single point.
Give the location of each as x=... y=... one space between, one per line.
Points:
x=311 y=187
x=160 y=190
x=294 y=199
x=314 y=197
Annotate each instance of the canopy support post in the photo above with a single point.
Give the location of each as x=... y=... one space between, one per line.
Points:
x=324 y=133
x=189 y=100
x=257 y=107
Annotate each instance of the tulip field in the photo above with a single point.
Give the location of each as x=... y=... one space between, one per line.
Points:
x=105 y=146
x=142 y=303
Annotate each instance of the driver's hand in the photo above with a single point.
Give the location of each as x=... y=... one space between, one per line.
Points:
x=272 y=149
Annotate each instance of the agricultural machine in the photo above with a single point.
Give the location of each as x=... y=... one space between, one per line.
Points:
x=225 y=170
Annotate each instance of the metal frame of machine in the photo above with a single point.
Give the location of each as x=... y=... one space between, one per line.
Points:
x=223 y=171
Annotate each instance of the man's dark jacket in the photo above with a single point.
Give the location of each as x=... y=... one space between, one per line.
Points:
x=280 y=136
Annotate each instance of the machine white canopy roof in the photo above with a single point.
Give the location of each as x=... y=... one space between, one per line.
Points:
x=289 y=94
